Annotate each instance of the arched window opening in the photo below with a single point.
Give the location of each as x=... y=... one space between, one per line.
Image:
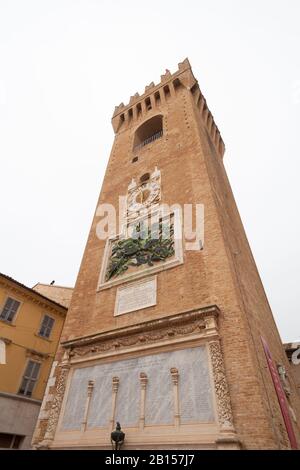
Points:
x=148 y=132
x=177 y=84
x=167 y=91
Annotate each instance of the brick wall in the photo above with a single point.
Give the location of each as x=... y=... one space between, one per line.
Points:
x=189 y=156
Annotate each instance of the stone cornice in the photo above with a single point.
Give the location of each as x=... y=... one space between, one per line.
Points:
x=36 y=354
x=163 y=326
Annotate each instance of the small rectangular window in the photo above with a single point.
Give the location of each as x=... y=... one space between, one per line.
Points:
x=167 y=91
x=157 y=97
x=138 y=109
x=30 y=378
x=177 y=84
x=46 y=326
x=10 y=309
x=148 y=104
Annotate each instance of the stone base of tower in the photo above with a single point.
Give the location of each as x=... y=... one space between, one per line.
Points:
x=163 y=380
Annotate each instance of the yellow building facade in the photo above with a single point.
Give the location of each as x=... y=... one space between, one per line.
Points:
x=30 y=329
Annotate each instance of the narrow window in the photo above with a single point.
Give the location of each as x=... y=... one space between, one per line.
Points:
x=177 y=84
x=30 y=378
x=167 y=91
x=148 y=104
x=130 y=114
x=138 y=109
x=46 y=326
x=9 y=310
x=157 y=98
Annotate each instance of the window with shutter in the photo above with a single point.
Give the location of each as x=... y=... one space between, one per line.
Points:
x=46 y=326
x=30 y=378
x=9 y=310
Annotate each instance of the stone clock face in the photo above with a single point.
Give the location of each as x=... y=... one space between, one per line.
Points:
x=143 y=196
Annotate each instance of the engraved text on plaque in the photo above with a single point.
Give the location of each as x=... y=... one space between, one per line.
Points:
x=135 y=296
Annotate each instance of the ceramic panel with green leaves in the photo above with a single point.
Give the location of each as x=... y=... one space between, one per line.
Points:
x=146 y=246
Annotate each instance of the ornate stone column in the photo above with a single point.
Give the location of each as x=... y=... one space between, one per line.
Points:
x=61 y=380
x=115 y=387
x=90 y=389
x=143 y=382
x=175 y=379
x=227 y=438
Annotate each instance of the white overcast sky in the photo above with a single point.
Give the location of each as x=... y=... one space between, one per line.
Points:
x=65 y=64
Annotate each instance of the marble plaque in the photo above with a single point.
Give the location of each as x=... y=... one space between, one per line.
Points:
x=74 y=411
x=100 y=408
x=135 y=296
x=128 y=399
x=194 y=388
x=195 y=391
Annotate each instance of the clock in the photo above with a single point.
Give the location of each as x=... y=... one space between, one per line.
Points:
x=143 y=196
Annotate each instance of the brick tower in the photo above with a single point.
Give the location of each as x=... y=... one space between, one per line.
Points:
x=168 y=332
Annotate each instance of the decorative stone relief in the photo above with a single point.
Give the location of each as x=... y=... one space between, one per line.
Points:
x=149 y=244
x=286 y=385
x=90 y=389
x=146 y=246
x=221 y=387
x=57 y=401
x=142 y=197
x=176 y=399
x=199 y=322
x=150 y=237
x=144 y=338
x=143 y=384
x=285 y=382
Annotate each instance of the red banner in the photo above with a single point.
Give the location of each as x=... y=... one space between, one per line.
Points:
x=280 y=395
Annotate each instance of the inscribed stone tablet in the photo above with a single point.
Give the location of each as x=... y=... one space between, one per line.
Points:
x=195 y=391
x=136 y=296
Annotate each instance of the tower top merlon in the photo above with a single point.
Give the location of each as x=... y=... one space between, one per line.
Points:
x=186 y=77
x=139 y=105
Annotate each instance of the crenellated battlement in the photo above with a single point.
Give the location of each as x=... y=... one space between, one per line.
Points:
x=156 y=95
x=183 y=68
x=151 y=88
